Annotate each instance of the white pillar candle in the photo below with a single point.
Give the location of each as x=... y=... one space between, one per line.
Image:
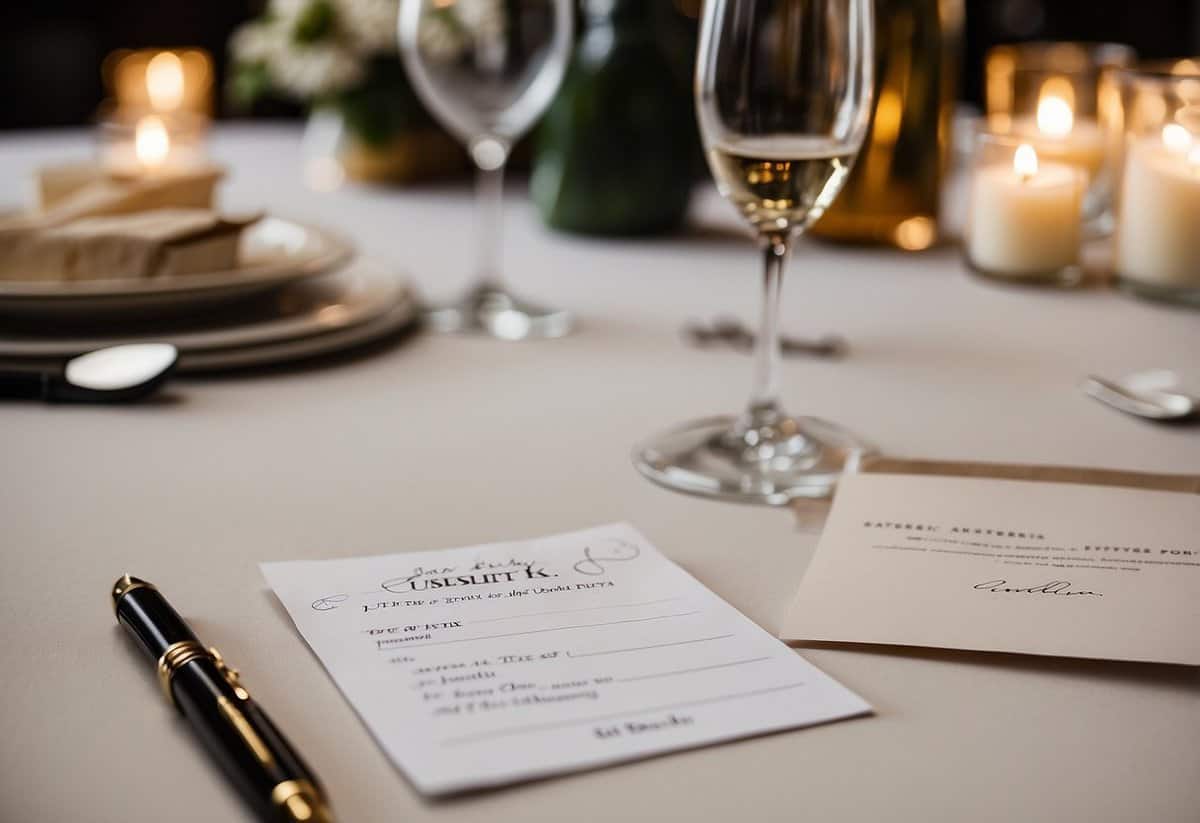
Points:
x=1158 y=232
x=1023 y=218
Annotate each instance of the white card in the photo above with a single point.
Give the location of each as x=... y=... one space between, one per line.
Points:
x=492 y=664
x=1006 y=565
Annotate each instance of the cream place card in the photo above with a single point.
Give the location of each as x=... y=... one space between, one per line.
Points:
x=1004 y=565
x=481 y=666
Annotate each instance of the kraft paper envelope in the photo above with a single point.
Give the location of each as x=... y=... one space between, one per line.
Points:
x=1035 y=560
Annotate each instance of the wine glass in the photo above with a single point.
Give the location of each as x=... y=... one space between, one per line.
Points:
x=487 y=69
x=783 y=92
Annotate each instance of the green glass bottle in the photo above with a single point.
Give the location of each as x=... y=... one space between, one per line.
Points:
x=614 y=152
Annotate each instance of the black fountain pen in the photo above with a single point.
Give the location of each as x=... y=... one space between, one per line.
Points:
x=238 y=734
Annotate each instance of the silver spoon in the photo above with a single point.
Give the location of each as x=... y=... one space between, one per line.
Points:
x=113 y=374
x=1148 y=403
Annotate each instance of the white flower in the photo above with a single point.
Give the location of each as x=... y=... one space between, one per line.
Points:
x=440 y=41
x=287 y=10
x=370 y=25
x=315 y=69
x=445 y=36
x=258 y=42
x=485 y=18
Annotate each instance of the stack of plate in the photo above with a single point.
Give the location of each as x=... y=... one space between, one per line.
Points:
x=298 y=292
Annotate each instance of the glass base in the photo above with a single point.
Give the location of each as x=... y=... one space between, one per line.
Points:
x=490 y=310
x=761 y=457
x=1068 y=277
x=1181 y=295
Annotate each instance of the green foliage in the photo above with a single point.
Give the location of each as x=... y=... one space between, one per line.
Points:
x=248 y=83
x=317 y=22
x=383 y=106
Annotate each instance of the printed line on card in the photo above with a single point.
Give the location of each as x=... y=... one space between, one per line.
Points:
x=538 y=727
x=689 y=671
x=380 y=644
x=654 y=646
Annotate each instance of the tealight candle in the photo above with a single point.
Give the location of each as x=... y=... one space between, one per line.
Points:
x=1059 y=135
x=1058 y=98
x=1156 y=250
x=1158 y=232
x=151 y=144
x=161 y=81
x=1024 y=216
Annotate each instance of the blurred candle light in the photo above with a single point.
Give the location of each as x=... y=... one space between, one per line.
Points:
x=151 y=143
x=1176 y=138
x=1058 y=134
x=1054 y=114
x=164 y=81
x=160 y=80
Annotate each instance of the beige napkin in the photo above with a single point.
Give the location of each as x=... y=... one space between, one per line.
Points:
x=70 y=192
x=157 y=243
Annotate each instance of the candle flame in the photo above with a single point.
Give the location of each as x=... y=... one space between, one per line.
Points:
x=1176 y=138
x=1025 y=161
x=1054 y=114
x=164 y=81
x=151 y=143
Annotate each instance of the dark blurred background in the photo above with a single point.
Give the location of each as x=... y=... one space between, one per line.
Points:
x=51 y=50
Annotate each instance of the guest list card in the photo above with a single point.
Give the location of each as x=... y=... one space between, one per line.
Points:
x=487 y=665
x=1004 y=565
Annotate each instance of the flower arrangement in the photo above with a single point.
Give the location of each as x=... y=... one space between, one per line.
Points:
x=341 y=56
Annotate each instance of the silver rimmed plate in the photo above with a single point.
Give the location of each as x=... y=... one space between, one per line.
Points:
x=273 y=252
x=364 y=301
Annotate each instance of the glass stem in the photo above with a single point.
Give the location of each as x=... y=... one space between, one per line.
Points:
x=764 y=396
x=489 y=199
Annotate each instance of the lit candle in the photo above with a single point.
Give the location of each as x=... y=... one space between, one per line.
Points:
x=1023 y=218
x=1158 y=231
x=164 y=82
x=1058 y=134
x=151 y=143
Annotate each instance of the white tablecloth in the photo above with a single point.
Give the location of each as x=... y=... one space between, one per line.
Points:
x=448 y=441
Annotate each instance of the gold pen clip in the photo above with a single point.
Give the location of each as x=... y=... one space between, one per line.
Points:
x=179 y=654
x=232 y=676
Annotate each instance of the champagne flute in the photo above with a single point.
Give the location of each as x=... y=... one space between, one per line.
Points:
x=487 y=69
x=783 y=91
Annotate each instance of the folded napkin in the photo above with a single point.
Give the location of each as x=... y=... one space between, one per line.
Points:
x=157 y=243
x=84 y=190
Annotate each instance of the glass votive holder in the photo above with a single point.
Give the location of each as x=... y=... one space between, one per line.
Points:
x=1023 y=214
x=1157 y=240
x=160 y=80
x=134 y=143
x=1059 y=98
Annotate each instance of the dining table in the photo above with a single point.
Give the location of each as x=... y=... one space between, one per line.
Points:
x=440 y=440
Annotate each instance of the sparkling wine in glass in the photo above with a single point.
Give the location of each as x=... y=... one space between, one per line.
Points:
x=783 y=92
x=487 y=69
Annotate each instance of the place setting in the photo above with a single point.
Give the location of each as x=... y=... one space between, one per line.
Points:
x=134 y=248
x=877 y=585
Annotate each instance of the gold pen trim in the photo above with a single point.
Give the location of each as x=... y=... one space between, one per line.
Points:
x=301 y=802
x=124 y=585
x=185 y=651
x=246 y=731
x=177 y=655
